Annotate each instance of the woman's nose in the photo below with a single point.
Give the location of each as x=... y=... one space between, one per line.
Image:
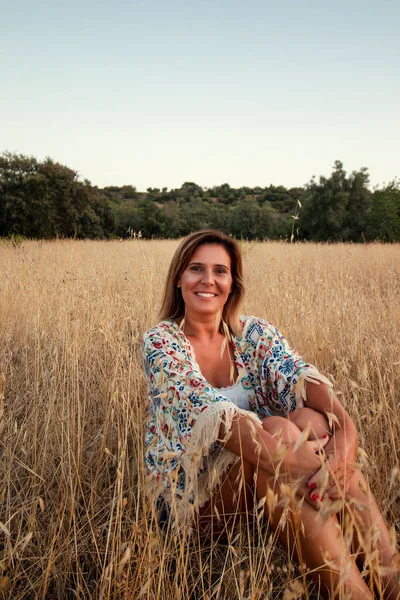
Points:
x=207 y=276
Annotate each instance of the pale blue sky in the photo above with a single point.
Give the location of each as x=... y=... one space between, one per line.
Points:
x=159 y=92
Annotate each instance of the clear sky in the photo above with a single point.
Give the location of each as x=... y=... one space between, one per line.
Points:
x=154 y=93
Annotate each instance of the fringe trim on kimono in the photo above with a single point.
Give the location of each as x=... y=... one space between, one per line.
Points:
x=200 y=486
x=312 y=375
x=205 y=432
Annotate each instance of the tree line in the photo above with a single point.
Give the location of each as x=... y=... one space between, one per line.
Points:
x=45 y=199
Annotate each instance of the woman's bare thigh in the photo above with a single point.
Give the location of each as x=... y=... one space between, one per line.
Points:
x=233 y=499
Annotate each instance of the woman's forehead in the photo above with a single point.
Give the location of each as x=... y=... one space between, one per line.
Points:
x=215 y=254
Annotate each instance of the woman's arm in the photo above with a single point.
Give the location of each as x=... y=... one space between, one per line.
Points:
x=342 y=447
x=263 y=451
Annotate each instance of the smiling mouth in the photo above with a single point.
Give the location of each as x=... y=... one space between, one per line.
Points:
x=205 y=294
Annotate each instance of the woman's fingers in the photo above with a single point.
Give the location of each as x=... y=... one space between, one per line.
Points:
x=319 y=482
x=331 y=492
x=336 y=491
x=319 y=444
x=332 y=479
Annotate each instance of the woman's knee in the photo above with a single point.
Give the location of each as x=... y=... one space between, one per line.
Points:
x=309 y=418
x=282 y=428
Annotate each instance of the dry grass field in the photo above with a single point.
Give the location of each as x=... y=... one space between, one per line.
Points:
x=74 y=522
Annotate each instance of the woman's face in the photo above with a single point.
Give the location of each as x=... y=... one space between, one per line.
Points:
x=207 y=280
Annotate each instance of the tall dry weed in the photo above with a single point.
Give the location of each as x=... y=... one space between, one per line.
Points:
x=73 y=516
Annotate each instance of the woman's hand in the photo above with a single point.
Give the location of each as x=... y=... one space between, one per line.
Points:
x=300 y=461
x=333 y=478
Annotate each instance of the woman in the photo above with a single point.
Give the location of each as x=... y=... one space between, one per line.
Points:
x=227 y=422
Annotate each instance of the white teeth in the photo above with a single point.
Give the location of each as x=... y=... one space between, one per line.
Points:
x=205 y=295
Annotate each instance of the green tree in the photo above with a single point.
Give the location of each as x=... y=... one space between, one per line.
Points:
x=324 y=208
x=151 y=219
x=196 y=214
x=46 y=199
x=174 y=224
x=14 y=207
x=336 y=208
x=246 y=219
x=360 y=197
x=127 y=218
x=383 y=219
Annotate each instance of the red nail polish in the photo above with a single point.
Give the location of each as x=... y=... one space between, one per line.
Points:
x=312 y=486
x=324 y=436
x=314 y=497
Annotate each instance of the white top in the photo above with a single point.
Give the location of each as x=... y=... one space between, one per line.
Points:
x=237 y=394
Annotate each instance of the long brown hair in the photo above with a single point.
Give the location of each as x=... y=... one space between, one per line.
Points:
x=173 y=306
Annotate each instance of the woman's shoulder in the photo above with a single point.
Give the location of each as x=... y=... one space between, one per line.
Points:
x=165 y=330
x=250 y=324
x=254 y=330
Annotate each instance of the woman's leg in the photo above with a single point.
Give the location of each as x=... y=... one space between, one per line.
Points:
x=315 y=421
x=315 y=542
x=371 y=537
x=282 y=428
x=301 y=530
x=233 y=500
x=296 y=422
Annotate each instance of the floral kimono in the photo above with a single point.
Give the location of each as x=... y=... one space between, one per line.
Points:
x=184 y=458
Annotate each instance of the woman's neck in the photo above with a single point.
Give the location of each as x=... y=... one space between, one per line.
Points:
x=202 y=326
